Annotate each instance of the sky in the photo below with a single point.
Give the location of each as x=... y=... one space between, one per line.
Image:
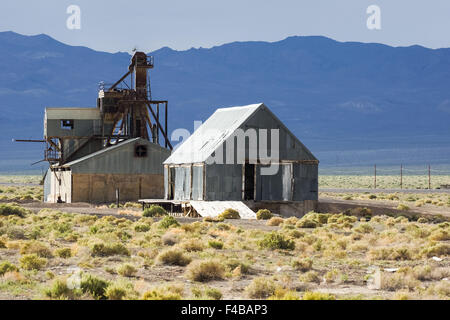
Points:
x=147 y=25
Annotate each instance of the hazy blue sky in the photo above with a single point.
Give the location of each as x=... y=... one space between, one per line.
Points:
x=120 y=25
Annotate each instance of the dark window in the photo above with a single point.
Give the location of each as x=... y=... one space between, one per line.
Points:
x=67 y=124
x=140 y=151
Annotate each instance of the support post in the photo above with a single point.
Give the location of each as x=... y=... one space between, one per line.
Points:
x=401 y=176
x=117 y=197
x=375 y=176
x=165 y=120
x=429 y=177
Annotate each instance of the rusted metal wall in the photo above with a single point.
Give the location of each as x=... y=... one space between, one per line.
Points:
x=121 y=159
x=306 y=182
x=223 y=182
x=101 y=188
x=296 y=179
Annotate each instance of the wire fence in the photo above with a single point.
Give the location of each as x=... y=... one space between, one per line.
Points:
x=401 y=176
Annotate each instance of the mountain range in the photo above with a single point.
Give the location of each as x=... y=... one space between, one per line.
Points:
x=352 y=104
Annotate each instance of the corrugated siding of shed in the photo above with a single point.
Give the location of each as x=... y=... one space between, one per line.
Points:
x=182 y=183
x=197 y=183
x=224 y=182
x=306 y=183
x=290 y=147
x=122 y=160
x=268 y=187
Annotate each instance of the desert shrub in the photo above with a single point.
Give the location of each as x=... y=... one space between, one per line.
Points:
x=36 y=247
x=60 y=290
x=399 y=253
x=8 y=209
x=215 y=244
x=94 y=286
x=439 y=249
x=157 y=295
x=364 y=228
x=234 y=263
x=115 y=292
x=63 y=253
x=275 y=221
x=192 y=245
x=372 y=196
x=204 y=271
x=154 y=211
x=6 y=266
x=312 y=220
x=440 y=235
x=441 y=288
x=397 y=281
x=167 y=222
x=120 y=290
x=275 y=240
x=263 y=214
x=169 y=239
x=223 y=226
x=161 y=293
x=126 y=270
x=318 y=296
x=32 y=262
x=402 y=207
x=141 y=227
x=310 y=276
x=417 y=231
x=109 y=249
x=302 y=265
x=422 y=273
x=393 y=197
x=230 y=214
x=206 y=293
x=173 y=257
x=260 y=288
x=284 y=294
x=132 y=205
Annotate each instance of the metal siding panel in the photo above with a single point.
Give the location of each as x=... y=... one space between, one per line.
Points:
x=166 y=182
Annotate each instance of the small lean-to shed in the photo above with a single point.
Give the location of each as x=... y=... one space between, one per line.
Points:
x=193 y=171
x=133 y=167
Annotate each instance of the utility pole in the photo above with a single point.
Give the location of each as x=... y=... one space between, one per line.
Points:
x=401 y=176
x=375 y=177
x=429 y=176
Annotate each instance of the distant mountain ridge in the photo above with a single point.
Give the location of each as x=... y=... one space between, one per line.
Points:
x=348 y=102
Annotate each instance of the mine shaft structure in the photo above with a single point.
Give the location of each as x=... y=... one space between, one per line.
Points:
x=124 y=111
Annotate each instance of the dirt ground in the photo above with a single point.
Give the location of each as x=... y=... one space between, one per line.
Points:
x=387 y=245
x=342 y=256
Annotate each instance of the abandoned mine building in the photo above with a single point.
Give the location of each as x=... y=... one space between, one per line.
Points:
x=192 y=172
x=112 y=151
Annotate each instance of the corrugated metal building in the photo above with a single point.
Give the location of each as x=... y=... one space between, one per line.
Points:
x=134 y=167
x=192 y=172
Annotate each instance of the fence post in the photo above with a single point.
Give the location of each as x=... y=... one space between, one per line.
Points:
x=401 y=176
x=375 y=177
x=429 y=177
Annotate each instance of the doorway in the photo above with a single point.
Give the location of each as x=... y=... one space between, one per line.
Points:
x=249 y=181
x=171 y=183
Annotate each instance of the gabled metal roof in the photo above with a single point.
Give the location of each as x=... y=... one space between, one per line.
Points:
x=109 y=149
x=211 y=134
x=217 y=129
